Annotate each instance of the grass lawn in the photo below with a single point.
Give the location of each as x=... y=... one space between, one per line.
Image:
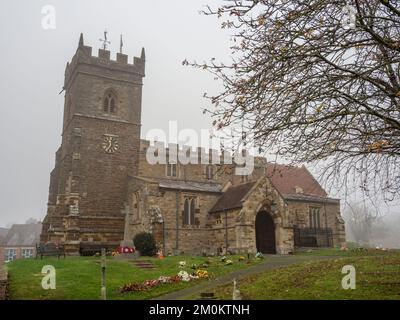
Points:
x=354 y=252
x=377 y=277
x=80 y=277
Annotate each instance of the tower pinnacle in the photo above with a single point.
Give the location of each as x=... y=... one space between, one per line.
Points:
x=81 y=40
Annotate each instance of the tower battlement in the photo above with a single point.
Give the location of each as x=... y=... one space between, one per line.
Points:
x=84 y=56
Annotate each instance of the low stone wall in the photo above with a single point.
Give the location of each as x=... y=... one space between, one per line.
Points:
x=3 y=283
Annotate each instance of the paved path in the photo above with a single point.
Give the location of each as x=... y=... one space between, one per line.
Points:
x=270 y=262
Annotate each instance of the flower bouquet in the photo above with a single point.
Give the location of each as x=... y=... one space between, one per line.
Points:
x=202 y=274
x=122 y=249
x=164 y=279
x=151 y=283
x=182 y=264
x=132 y=287
x=184 y=276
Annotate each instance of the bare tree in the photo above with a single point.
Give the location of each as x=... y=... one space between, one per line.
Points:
x=361 y=221
x=316 y=80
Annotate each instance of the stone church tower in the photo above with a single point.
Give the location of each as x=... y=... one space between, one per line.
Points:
x=99 y=149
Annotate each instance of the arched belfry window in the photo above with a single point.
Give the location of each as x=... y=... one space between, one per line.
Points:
x=110 y=102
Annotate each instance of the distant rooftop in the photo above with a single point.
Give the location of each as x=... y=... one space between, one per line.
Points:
x=3 y=234
x=23 y=235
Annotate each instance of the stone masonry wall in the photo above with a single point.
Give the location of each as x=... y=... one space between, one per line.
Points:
x=196 y=172
x=179 y=238
x=88 y=186
x=3 y=283
x=329 y=212
x=233 y=230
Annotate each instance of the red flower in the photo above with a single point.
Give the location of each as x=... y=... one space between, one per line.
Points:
x=122 y=249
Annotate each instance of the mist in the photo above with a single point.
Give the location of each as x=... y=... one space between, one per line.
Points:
x=33 y=59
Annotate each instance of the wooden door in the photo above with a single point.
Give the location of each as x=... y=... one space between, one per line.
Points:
x=265 y=233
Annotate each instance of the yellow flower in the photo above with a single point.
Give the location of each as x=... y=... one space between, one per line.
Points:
x=202 y=273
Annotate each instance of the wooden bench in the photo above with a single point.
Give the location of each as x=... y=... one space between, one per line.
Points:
x=49 y=250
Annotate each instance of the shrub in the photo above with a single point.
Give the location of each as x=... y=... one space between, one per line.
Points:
x=145 y=244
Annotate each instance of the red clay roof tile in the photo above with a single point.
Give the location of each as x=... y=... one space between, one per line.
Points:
x=287 y=178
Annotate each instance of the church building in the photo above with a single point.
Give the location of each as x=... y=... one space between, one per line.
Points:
x=103 y=191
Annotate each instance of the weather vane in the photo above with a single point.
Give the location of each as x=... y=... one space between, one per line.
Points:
x=105 y=41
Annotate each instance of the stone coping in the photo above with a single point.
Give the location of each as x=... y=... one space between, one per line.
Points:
x=3 y=273
x=3 y=282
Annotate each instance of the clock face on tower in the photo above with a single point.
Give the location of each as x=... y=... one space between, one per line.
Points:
x=110 y=143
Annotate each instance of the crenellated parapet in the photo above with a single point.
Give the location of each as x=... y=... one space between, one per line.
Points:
x=84 y=56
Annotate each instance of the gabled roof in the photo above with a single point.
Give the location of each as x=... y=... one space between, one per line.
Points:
x=293 y=183
x=23 y=235
x=287 y=178
x=232 y=197
x=3 y=234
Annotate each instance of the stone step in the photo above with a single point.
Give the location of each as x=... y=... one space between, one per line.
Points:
x=126 y=256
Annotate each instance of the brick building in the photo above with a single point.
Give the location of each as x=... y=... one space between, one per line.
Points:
x=104 y=191
x=3 y=234
x=20 y=242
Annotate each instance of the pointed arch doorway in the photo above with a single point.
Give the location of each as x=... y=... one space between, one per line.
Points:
x=265 y=233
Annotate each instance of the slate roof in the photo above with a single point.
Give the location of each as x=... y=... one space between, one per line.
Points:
x=286 y=178
x=23 y=235
x=190 y=186
x=232 y=197
x=174 y=184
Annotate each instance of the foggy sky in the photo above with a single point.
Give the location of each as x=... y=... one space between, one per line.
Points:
x=32 y=63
